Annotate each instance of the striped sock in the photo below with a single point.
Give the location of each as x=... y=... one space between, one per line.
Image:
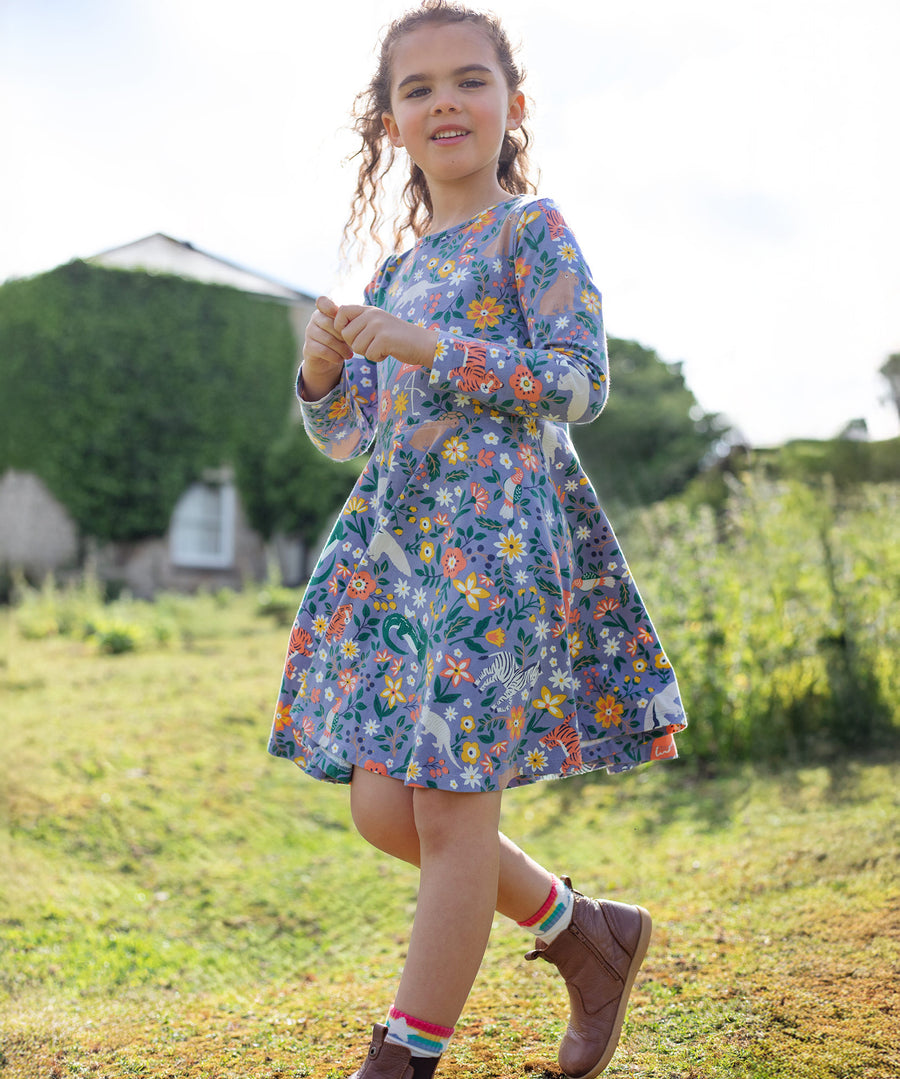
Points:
x=421 y=1038
x=555 y=915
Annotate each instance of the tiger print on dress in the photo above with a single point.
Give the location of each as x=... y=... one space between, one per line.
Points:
x=566 y=736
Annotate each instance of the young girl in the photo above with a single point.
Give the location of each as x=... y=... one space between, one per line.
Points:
x=471 y=624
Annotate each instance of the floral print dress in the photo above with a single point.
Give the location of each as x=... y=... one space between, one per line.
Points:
x=471 y=623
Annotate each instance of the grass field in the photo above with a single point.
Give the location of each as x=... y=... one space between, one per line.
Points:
x=174 y=903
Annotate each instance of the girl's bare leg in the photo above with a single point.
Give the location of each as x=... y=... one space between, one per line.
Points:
x=383 y=813
x=458 y=841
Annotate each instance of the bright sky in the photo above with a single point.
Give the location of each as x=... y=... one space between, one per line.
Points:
x=731 y=170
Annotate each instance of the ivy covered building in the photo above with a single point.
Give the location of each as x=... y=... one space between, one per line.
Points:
x=147 y=420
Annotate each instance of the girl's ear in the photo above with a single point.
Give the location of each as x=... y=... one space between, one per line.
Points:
x=516 y=113
x=393 y=132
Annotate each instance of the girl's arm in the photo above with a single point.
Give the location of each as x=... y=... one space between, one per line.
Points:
x=337 y=389
x=562 y=376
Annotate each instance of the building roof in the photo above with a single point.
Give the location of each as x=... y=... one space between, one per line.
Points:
x=164 y=254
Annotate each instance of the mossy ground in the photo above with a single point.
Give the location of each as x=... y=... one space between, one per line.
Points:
x=174 y=903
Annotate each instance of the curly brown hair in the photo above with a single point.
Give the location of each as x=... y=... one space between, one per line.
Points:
x=377 y=155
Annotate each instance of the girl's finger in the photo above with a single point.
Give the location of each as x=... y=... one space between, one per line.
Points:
x=345 y=315
x=328 y=307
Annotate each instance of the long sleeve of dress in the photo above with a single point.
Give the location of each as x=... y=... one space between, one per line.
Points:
x=342 y=423
x=563 y=375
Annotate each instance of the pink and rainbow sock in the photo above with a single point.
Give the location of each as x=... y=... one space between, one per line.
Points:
x=421 y=1038
x=555 y=915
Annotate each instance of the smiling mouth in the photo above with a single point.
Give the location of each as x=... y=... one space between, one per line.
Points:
x=453 y=133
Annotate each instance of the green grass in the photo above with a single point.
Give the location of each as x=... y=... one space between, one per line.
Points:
x=174 y=903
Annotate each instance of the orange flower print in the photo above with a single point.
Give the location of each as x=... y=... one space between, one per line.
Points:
x=522 y=271
x=496 y=636
x=485 y=457
x=377 y=767
x=347 y=680
x=605 y=605
x=453 y=561
x=528 y=457
x=283 y=716
x=482 y=498
x=457 y=670
x=525 y=386
x=516 y=721
x=609 y=710
x=361 y=585
x=485 y=313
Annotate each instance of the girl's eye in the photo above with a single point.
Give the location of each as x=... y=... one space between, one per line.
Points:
x=419 y=91
x=472 y=84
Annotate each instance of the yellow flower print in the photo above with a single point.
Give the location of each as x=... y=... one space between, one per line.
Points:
x=590 y=300
x=425 y=524
x=413 y=771
x=511 y=546
x=661 y=661
x=609 y=710
x=320 y=624
x=640 y=665
x=471 y=590
x=455 y=450
x=496 y=636
x=536 y=760
x=426 y=551
x=470 y=752
x=467 y=723
x=447 y=269
x=356 y=505
x=550 y=701
x=339 y=408
x=575 y=643
x=432 y=264
x=393 y=691
x=485 y=313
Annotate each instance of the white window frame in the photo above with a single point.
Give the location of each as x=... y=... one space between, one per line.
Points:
x=202 y=530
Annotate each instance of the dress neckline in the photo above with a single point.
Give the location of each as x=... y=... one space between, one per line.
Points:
x=465 y=224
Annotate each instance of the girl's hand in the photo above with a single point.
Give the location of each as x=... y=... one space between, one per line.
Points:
x=375 y=334
x=324 y=351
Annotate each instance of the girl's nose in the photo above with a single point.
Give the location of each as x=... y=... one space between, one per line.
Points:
x=444 y=103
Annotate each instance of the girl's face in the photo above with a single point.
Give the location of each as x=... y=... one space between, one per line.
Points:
x=450 y=105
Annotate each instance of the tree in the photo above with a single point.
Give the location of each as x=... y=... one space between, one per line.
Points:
x=311 y=487
x=652 y=436
x=890 y=369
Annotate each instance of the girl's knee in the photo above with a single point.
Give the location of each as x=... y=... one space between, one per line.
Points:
x=382 y=814
x=445 y=817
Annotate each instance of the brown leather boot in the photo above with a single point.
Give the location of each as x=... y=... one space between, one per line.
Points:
x=598 y=955
x=386 y=1060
